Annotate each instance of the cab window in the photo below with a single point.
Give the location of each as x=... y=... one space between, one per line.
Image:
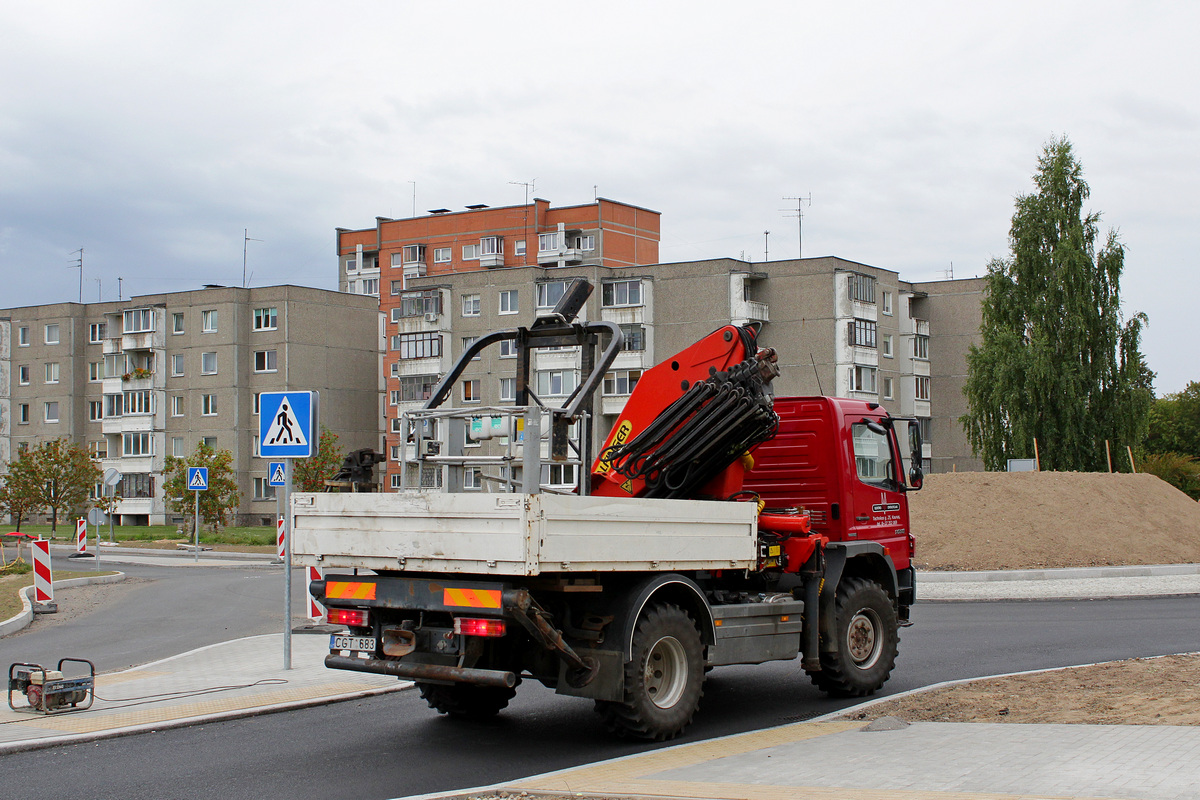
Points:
x=872 y=456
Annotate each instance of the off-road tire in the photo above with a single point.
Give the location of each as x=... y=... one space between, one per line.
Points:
x=466 y=700
x=868 y=639
x=664 y=680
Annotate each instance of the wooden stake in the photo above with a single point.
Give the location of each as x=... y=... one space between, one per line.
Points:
x=1037 y=460
x=1132 y=466
x=1108 y=453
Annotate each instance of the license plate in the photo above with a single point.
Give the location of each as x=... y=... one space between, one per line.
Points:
x=364 y=644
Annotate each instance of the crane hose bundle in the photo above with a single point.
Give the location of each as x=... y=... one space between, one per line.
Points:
x=704 y=431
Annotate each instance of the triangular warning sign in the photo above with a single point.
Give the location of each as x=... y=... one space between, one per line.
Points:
x=198 y=481
x=277 y=476
x=285 y=428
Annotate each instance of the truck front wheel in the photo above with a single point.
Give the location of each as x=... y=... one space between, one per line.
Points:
x=664 y=680
x=867 y=637
x=466 y=700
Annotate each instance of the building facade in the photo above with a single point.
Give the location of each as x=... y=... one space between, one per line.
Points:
x=138 y=380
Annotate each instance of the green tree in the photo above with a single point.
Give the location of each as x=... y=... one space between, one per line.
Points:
x=217 y=502
x=66 y=474
x=310 y=474
x=1057 y=361
x=21 y=493
x=1175 y=423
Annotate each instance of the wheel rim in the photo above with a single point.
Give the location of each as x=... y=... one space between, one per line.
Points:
x=666 y=672
x=863 y=640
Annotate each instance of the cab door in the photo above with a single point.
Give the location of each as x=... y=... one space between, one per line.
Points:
x=878 y=507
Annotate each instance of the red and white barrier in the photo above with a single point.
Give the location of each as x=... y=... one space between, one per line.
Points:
x=279 y=538
x=81 y=536
x=315 y=609
x=43 y=576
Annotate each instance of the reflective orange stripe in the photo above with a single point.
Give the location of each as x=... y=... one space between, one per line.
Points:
x=344 y=590
x=471 y=598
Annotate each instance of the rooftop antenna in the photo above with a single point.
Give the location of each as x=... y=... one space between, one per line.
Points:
x=414 y=185
x=77 y=263
x=120 y=296
x=528 y=187
x=766 y=246
x=799 y=215
x=99 y=290
x=948 y=274
x=245 y=241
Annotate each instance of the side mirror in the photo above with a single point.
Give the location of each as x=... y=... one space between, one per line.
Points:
x=916 y=452
x=915 y=478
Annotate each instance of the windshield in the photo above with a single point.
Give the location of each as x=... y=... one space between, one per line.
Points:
x=872 y=456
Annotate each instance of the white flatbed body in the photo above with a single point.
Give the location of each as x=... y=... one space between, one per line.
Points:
x=519 y=534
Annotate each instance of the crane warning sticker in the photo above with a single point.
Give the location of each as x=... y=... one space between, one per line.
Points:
x=620 y=436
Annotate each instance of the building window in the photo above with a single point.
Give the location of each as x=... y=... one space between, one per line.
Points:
x=508 y=348
x=862 y=379
x=555 y=382
x=263 y=490
x=862 y=333
x=508 y=390
x=98 y=449
x=418 y=304
x=885 y=303
x=23 y=374
x=862 y=288
x=491 y=246
x=96 y=332
x=264 y=361
x=634 y=336
x=177 y=322
x=266 y=319
x=921 y=347
x=417 y=387
x=256 y=404
x=177 y=405
x=370 y=286
x=585 y=242
x=470 y=252
x=397 y=288
x=621 y=381
x=472 y=478
x=519 y=247
x=467 y=341
x=51 y=411
x=413 y=253
x=441 y=255
x=395 y=397
x=209 y=442
x=137 y=320
x=418 y=345
x=922 y=388
x=887 y=389
x=470 y=391
x=208 y=363
x=113 y=404
x=137 y=444
x=886 y=345
x=470 y=305
x=177 y=360
x=95 y=410
x=621 y=293
x=23 y=414
x=52 y=373
x=559 y=476
x=23 y=336
x=208 y=321
x=137 y=485
x=140 y=402
x=509 y=302
x=547 y=242
x=926 y=426
x=208 y=405
x=95 y=371
x=548 y=294
x=178 y=448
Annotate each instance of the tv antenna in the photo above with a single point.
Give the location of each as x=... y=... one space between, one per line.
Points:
x=948 y=274
x=529 y=186
x=799 y=215
x=245 y=241
x=77 y=263
x=414 y=185
x=766 y=246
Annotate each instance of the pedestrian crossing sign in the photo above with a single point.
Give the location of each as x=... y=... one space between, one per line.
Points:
x=197 y=478
x=275 y=474
x=286 y=423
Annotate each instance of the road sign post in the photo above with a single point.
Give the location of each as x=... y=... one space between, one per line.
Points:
x=197 y=479
x=287 y=425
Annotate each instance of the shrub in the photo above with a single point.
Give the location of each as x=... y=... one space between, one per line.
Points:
x=1181 y=471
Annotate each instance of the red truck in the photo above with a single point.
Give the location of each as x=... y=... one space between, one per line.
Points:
x=718 y=525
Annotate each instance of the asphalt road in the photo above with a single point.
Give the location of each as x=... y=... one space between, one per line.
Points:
x=393 y=746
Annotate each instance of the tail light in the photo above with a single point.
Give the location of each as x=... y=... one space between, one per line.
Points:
x=471 y=626
x=351 y=617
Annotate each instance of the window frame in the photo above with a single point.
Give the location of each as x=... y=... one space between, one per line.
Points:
x=47 y=328
x=142 y=320
x=611 y=291
x=203 y=358
x=208 y=405
x=208 y=321
x=266 y=318
x=269 y=361
x=504 y=307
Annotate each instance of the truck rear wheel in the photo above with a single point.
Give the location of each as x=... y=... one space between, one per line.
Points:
x=466 y=700
x=867 y=638
x=664 y=680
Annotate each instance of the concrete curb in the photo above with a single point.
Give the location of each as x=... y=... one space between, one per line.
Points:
x=21 y=621
x=1066 y=573
x=167 y=552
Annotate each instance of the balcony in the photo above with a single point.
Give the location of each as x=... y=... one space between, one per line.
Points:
x=414 y=269
x=491 y=260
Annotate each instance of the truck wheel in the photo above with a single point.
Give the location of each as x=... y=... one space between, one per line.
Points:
x=466 y=700
x=867 y=641
x=663 y=682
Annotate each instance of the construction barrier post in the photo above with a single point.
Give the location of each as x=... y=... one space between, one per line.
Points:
x=81 y=536
x=279 y=537
x=315 y=609
x=43 y=575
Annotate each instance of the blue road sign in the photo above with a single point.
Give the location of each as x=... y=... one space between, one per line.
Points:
x=197 y=478
x=275 y=474
x=286 y=423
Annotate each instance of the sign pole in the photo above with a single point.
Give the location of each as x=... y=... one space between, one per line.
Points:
x=287 y=564
x=196 y=552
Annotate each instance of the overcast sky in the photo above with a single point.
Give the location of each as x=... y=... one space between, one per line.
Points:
x=153 y=134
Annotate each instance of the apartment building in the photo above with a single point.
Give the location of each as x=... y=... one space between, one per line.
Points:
x=137 y=380
x=840 y=327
